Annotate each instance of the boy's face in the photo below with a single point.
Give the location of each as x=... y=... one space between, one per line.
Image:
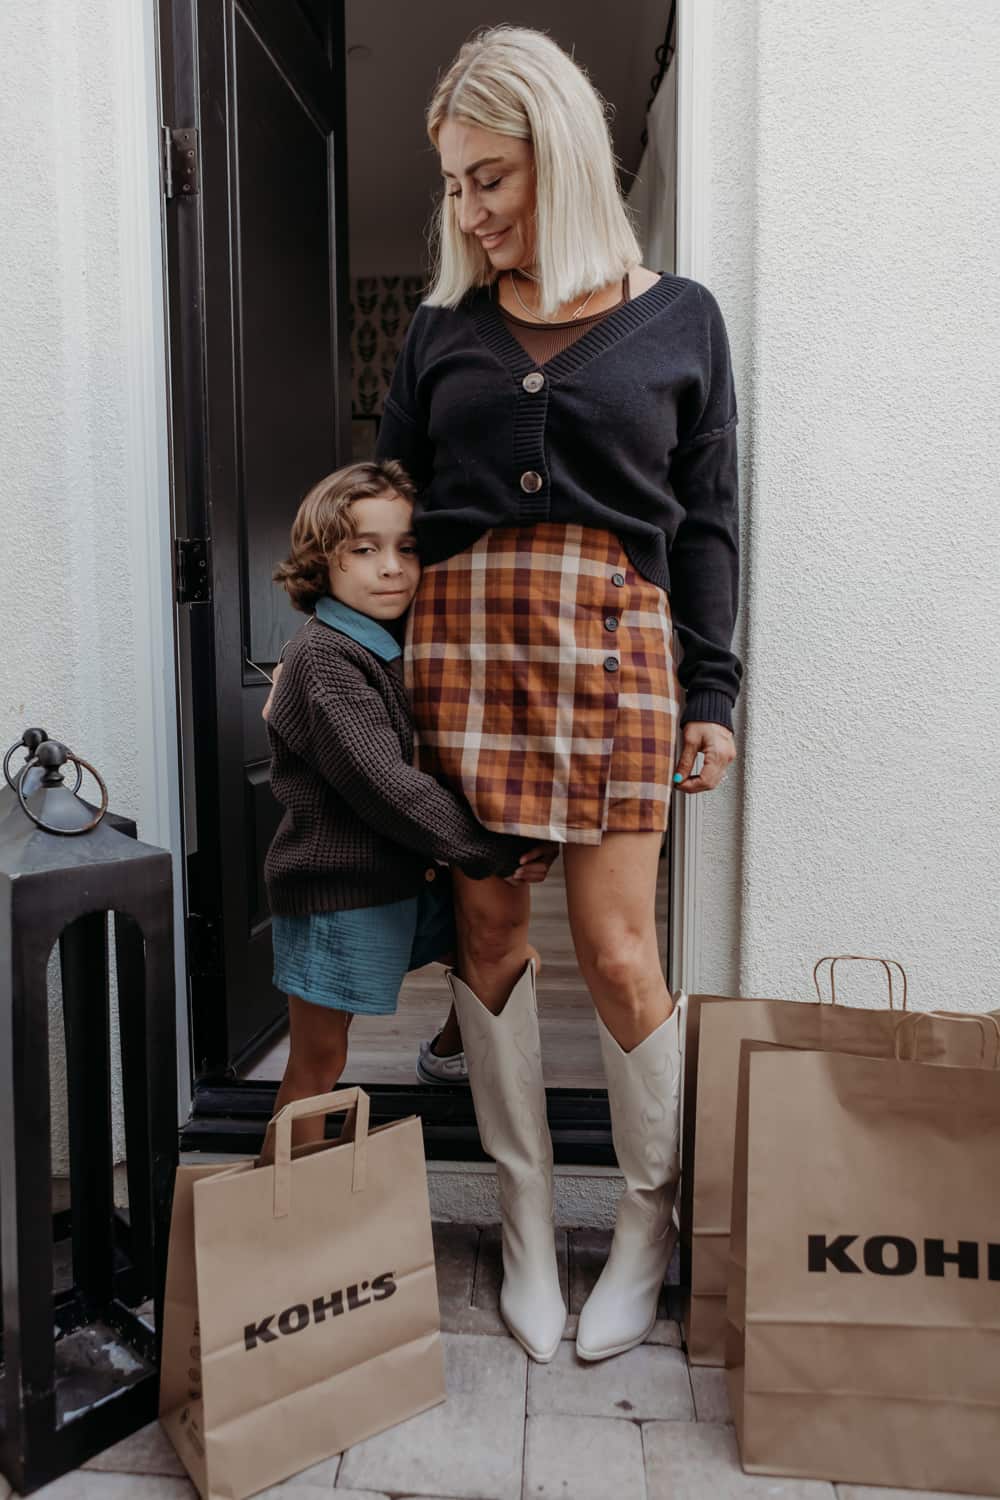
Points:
x=377 y=571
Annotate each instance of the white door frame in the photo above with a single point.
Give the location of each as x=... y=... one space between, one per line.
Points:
x=147 y=438
x=693 y=63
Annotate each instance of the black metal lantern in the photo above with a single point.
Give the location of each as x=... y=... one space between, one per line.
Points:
x=79 y=1358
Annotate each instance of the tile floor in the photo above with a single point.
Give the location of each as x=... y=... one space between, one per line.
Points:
x=643 y=1426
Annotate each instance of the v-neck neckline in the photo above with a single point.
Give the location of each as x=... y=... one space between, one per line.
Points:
x=585 y=322
x=627 y=316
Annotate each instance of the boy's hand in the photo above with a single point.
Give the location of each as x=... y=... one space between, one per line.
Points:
x=265 y=712
x=535 y=865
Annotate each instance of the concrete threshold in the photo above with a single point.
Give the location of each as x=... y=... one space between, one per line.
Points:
x=464 y=1192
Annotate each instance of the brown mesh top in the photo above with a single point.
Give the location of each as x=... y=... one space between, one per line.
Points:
x=543 y=341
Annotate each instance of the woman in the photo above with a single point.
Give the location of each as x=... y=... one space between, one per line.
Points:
x=569 y=419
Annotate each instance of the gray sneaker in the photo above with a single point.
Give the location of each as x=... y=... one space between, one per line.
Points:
x=434 y=1069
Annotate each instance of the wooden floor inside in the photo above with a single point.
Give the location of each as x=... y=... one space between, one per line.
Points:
x=384 y=1049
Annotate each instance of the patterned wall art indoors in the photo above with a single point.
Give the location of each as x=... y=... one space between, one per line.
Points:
x=381 y=309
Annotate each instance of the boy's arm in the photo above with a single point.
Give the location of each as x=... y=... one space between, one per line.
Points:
x=352 y=744
x=359 y=753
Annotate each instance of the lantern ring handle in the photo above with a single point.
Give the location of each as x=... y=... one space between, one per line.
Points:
x=81 y=766
x=20 y=745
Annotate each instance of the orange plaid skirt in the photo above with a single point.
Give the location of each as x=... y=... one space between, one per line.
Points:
x=541 y=674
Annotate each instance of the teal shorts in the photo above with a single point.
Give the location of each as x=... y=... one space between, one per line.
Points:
x=357 y=960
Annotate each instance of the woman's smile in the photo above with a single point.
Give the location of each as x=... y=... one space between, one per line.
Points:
x=493 y=239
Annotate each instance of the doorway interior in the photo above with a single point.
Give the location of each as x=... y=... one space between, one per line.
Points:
x=339 y=90
x=394 y=54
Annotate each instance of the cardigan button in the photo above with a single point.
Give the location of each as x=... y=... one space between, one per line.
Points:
x=533 y=383
x=531 y=482
x=430 y=875
x=611 y=664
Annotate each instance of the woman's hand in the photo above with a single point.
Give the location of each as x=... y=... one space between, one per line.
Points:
x=718 y=747
x=266 y=710
x=535 y=865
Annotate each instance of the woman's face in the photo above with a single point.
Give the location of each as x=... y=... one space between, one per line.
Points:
x=492 y=177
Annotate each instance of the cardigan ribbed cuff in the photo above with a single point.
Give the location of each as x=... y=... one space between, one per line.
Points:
x=708 y=707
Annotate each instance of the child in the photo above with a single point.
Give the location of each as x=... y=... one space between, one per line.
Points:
x=352 y=872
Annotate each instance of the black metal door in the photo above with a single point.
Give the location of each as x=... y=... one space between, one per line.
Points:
x=254 y=93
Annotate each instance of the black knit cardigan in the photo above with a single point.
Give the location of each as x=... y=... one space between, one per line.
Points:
x=631 y=429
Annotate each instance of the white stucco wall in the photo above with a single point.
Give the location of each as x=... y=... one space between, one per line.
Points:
x=84 y=570
x=853 y=165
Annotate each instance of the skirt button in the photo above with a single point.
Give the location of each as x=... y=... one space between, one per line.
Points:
x=611 y=664
x=618 y=579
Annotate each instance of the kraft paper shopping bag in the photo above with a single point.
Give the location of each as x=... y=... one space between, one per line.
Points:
x=716 y=1026
x=301 y=1306
x=864 y=1298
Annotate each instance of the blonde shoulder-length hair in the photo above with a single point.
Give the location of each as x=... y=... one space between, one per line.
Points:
x=519 y=82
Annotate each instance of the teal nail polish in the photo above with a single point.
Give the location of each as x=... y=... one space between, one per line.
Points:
x=678 y=776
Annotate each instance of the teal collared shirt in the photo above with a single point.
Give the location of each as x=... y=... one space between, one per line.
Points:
x=361 y=628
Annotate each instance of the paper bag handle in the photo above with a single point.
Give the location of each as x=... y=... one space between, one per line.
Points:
x=888 y=964
x=278 y=1140
x=913 y=1020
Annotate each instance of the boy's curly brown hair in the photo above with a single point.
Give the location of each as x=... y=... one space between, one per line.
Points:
x=324 y=522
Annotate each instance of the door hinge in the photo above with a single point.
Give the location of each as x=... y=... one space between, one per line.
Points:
x=203 y=955
x=192 y=581
x=180 y=163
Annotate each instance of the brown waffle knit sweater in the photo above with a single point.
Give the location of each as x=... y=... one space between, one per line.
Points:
x=362 y=825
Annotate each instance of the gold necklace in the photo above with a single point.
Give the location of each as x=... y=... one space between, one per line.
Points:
x=533 y=314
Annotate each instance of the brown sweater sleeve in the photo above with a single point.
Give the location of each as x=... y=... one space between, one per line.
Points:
x=342 y=728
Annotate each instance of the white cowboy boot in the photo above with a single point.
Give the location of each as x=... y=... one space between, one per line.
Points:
x=505 y=1071
x=644 y=1096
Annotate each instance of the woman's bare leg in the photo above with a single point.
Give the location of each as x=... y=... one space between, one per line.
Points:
x=611 y=901
x=317 y=1055
x=492 y=919
x=449 y=1038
